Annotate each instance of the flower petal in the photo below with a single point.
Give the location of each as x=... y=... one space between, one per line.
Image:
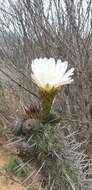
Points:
x=61 y=67
x=64 y=82
x=68 y=74
x=48 y=74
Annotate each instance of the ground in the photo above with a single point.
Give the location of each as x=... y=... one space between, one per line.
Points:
x=5 y=182
x=10 y=183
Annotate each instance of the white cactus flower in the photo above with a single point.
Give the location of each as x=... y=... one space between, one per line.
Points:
x=49 y=74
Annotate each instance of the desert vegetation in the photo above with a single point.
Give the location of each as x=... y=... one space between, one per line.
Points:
x=54 y=154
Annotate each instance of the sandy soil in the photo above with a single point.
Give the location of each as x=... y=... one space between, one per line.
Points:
x=7 y=183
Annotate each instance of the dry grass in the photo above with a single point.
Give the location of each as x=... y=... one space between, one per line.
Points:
x=12 y=183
